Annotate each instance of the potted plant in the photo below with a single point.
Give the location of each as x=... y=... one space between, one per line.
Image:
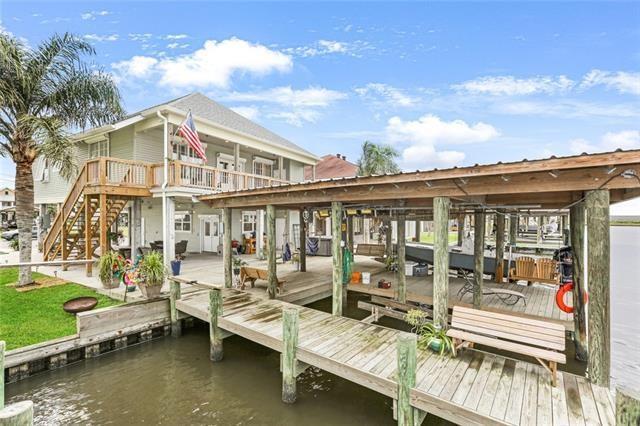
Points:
x=429 y=335
x=152 y=273
x=237 y=263
x=111 y=267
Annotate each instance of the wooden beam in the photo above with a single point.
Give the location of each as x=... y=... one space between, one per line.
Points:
x=478 y=256
x=226 y=248
x=406 y=356
x=499 y=263
x=289 y=347
x=303 y=242
x=402 y=279
x=216 y=352
x=272 y=281
x=336 y=248
x=174 y=296
x=440 y=260
x=598 y=276
x=88 y=246
x=579 y=314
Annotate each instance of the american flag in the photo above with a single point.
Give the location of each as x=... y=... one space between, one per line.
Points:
x=188 y=131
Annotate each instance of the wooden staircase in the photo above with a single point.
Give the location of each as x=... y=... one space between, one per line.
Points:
x=101 y=190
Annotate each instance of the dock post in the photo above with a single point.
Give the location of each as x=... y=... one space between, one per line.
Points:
x=598 y=277
x=20 y=413
x=627 y=409
x=303 y=243
x=215 y=334
x=336 y=248
x=174 y=296
x=402 y=279
x=406 y=346
x=272 y=276
x=499 y=266
x=478 y=256
x=388 y=238
x=513 y=229
x=441 y=261
x=289 y=347
x=226 y=248
x=460 y=229
x=576 y=230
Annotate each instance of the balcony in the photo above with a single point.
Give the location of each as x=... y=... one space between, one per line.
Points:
x=136 y=174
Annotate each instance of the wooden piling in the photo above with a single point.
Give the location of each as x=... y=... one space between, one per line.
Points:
x=336 y=233
x=402 y=279
x=226 y=248
x=460 y=229
x=215 y=333
x=272 y=277
x=303 y=243
x=598 y=275
x=3 y=346
x=18 y=414
x=174 y=296
x=290 y=344
x=441 y=261
x=388 y=238
x=627 y=409
x=406 y=350
x=478 y=257
x=499 y=265
x=513 y=229
x=576 y=229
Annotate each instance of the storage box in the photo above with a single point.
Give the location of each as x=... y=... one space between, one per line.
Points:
x=366 y=278
x=408 y=268
x=420 y=270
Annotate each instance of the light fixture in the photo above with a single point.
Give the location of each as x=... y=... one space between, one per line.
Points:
x=323 y=213
x=505 y=178
x=351 y=212
x=611 y=169
x=463 y=180
x=554 y=173
x=429 y=184
x=629 y=173
x=365 y=211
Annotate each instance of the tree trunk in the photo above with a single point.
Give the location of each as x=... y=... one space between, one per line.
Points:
x=24 y=217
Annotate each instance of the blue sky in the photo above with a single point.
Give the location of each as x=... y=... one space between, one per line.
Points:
x=445 y=83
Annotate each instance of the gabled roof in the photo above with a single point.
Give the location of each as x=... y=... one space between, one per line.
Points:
x=332 y=166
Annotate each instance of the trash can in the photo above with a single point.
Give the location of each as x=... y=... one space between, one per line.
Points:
x=175 y=267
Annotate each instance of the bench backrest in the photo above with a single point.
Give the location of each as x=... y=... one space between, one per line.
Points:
x=546 y=269
x=525 y=267
x=543 y=334
x=248 y=272
x=363 y=249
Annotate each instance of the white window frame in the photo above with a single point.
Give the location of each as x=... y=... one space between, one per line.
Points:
x=250 y=214
x=181 y=150
x=97 y=149
x=178 y=218
x=262 y=162
x=221 y=156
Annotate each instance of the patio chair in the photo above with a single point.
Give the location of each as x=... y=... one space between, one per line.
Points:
x=508 y=297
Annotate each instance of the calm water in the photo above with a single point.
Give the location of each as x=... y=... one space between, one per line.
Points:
x=171 y=381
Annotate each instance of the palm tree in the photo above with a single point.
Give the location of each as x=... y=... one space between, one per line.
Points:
x=44 y=93
x=377 y=159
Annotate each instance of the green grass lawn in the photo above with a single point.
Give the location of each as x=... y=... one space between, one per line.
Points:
x=427 y=237
x=36 y=316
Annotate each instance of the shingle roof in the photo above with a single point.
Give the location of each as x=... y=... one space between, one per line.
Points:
x=204 y=107
x=332 y=166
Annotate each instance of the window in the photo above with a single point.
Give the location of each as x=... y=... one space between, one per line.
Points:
x=183 y=152
x=248 y=222
x=182 y=221
x=262 y=167
x=99 y=149
x=358 y=225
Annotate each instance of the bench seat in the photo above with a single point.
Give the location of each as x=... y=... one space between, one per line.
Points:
x=251 y=275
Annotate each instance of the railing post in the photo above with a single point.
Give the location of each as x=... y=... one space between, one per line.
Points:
x=289 y=347
x=174 y=296
x=102 y=170
x=216 y=352
x=406 y=347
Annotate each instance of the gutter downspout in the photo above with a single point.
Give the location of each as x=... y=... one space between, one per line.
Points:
x=165 y=183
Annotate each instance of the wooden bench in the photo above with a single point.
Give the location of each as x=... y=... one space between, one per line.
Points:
x=542 y=340
x=251 y=275
x=531 y=270
x=374 y=250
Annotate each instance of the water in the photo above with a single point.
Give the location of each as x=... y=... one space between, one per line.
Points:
x=625 y=305
x=172 y=382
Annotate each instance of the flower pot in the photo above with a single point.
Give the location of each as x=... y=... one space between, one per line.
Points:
x=150 y=291
x=175 y=267
x=435 y=345
x=113 y=283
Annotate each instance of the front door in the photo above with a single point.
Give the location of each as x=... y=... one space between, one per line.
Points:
x=210 y=233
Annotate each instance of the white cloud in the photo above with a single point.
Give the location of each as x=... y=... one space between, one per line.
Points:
x=143 y=37
x=250 y=112
x=381 y=93
x=90 y=16
x=512 y=86
x=138 y=66
x=578 y=146
x=623 y=82
x=214 y=64
x=420 y=138
x=175 y=36
x=328 y=47
x=286 y=96
x=101 y=38
x=177 y=45
x=297 y=117
x=567 y=108
x=610 y=141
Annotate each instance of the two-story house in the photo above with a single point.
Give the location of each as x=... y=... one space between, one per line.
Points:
x=7 y=203
x=138 y=178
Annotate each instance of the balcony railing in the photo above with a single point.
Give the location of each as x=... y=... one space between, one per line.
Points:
x=115 y=171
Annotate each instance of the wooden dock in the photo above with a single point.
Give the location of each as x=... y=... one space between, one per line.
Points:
x=474 y=388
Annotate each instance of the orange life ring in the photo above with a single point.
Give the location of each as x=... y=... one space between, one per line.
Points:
x=564 y=289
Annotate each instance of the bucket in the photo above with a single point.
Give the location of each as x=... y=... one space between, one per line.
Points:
x=356 y=277
x=366 y=278
x=175 y=267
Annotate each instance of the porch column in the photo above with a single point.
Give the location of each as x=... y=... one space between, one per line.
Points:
x=478 y=256
x=441 y=261
x=577 y=244
x=598 y=276
x=271 y=251
x=539 y=229
x=104 y=241
x=350 y=233
x=402 y=279
x=236 y=157
x=135 y=226
x=336 y=248
x=280 y=167
x=313 y=172
x=169 y=246
x=499 y=266
x=388 y=244
x=303 y=242
x=513 y=229
x=226 y=248
x=417 y=231
x=259 y=234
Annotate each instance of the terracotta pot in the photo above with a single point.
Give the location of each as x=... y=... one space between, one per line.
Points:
x=114 y=283
x=150 y=291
